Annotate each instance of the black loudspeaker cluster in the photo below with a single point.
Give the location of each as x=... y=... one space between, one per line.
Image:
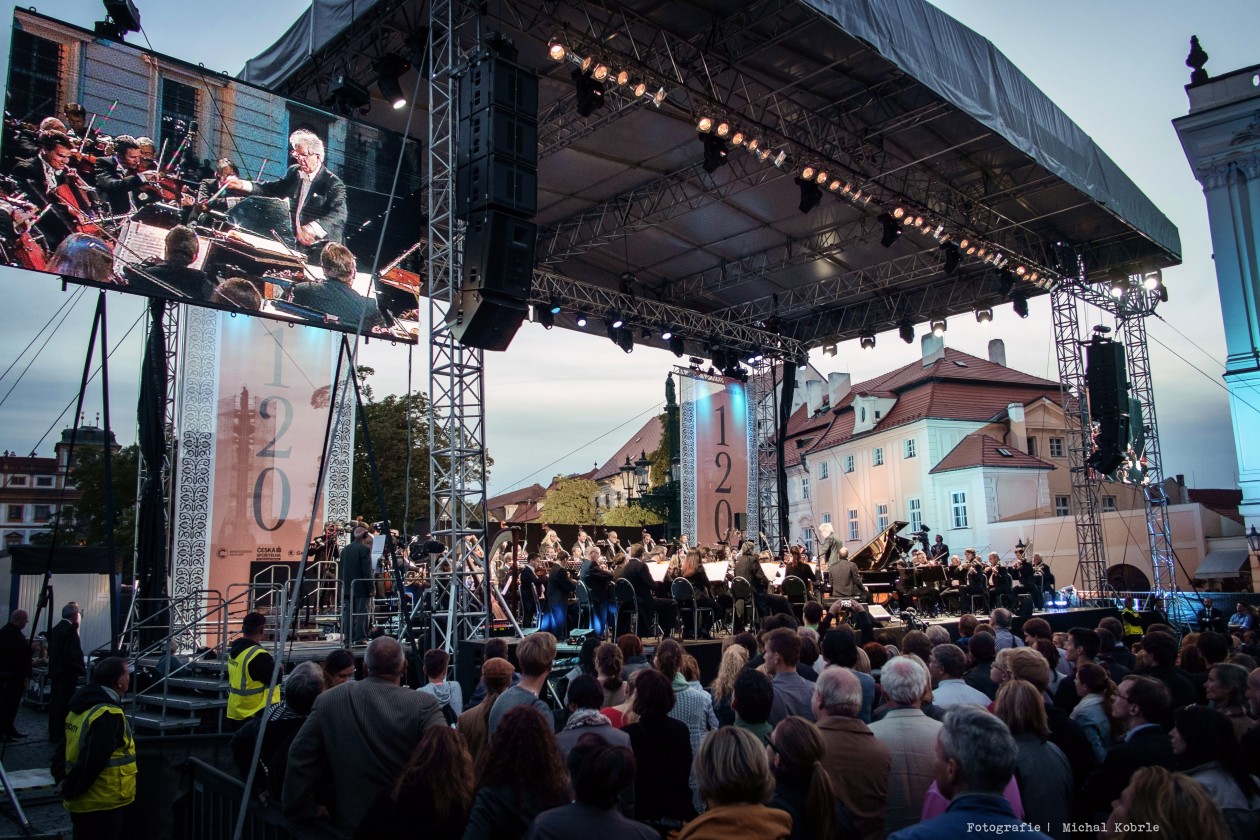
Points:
x=1108 y=382
x=496 y=193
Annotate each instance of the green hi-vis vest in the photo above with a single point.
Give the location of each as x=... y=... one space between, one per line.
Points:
x=246 y=695
x=116 y=786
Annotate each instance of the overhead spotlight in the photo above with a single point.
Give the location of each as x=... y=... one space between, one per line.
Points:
x=600 y=73
x=952 y=257
x=867 y=340
x=898 y=213
x=623 y=78
x=811 y=194
x=971 y=249
x=714 y=152
x=640 y=88
x=984 y=317
x=388 y=70
x=820 y=178
x=1006 y=282
x=892 y=230
x=802 y=362
x=830 y=349
x=1020 y=270
x=554 y=306
x=1163 y=293
x=543 y=315
x=1117 y=289
x=834 y=186
x=938 y=327
x=780 y=158
x=705 y=124
x=625 y=340
x=556 y=50
x=581 y=320
x=590 y=93
x=906 y=330
x=658 y=97
x=754 y=144
x=348 y=94
x=723 y=129
x=122 y=17
x=808 y=173
x=1153 y=280
x=616 y=321
x=737 y=139
x=763 y=155
x=667 y=332
x=677 y=345
x=964 y=243
x=1020 y=304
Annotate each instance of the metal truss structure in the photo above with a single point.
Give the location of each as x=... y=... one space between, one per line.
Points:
x=763 y=394
x=457 y=473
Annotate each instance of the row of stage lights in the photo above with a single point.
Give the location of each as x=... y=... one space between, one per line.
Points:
x=592 y=75
x=937 y=326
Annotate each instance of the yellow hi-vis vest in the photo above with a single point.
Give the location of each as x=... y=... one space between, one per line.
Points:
x=116 y=786
x=1132 y=623
x=245 y=694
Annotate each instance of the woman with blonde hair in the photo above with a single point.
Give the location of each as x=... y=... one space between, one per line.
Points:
x=1041 y=769
x=734 y=658
x=1174 y=802
x=733 y=775
x=802 y=786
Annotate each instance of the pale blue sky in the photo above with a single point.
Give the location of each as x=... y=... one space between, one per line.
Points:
x=1115 y=68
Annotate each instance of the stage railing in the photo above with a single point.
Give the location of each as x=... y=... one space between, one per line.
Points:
x=209 y=811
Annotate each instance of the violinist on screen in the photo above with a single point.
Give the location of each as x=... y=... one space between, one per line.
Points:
x=120 y=178
x=317 y=198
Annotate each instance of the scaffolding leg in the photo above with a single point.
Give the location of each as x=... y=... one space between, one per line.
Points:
x=19 y=814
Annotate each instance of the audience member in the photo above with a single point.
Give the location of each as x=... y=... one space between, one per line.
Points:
x=980 y=653
x=598 y=772
x=1138 y=704
x=733 y=776
x=802 y=787
x=523 y=774
x=609 y=662
x=692 y=706
x=474 y=724
x=662 y=754
x=1119 y=653
x=585 y=699
x=283 y=722
x=496 y=648
x=436 y=782
x=906 y=729
x=792 y=692
x=1096 y=690
x=448 y=693
x=1208 y=752
x=632 y=649
x=1003 y=637
x=751 y=701
x=1250 y=740
x=1161 y=649
x=947 y=666
x=338 y=668
x=840 y=649
x=1041 y=769
x=734 y=658
x=1179 y=805
x=857 y=762
x=1226 y=691
x=534 y=655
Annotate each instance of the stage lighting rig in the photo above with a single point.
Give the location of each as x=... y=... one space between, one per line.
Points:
x=545 y=317
x=590 y=93
x=348 y=95
x=952 y=256
x=581 y=320
x=892 y=230
x=984 y=316
x=625 y=340
x=121 y=17
x=811 y=193
x=866 y=340
x=667 y=332
x=830 y=349
x=677 y=345
x=906 y=330
x=1020 y=304
x=939 y=326
x=388 y=71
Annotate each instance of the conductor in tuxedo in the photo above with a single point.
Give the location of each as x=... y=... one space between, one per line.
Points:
x=317 y=198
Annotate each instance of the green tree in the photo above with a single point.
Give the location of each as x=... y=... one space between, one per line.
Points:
x=571 y=501
x=88 y=474
x=630 y=516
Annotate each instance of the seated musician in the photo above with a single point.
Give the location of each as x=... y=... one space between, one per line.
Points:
x=212 y=201
x=317 y=198
x=599 y=583
x=955 y=581
x=237 y=293
x=748 y=566
x=530 y=589
x=1047 y=576
x=335 y=296
x=38 y=178
x=666 y=609
x=977 y=581
x=1027 y=579
x=1001 y=584
x=83 y=256
x=796 y=566
x=121 y=178
x=649 y=544
x=583 y=544
x=693 y=572
x=175 y=274
x=559 y=587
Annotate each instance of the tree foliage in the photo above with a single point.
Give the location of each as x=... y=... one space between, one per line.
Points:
x=630 y=516
x=84 y=523
x=571 y=501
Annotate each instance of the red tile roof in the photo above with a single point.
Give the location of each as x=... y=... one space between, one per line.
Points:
x=524 y=513
x=520 y=496
x=645 y=441
x=980 y=450
x=1224 y=501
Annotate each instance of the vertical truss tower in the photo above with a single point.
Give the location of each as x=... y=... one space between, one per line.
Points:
x=765 y=399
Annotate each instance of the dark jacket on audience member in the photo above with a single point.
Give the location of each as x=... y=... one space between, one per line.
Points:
x=662 y=756
x=387 y=818
x=1149 y=746
x=790 y=794
x=587 y=822
x=978 y=678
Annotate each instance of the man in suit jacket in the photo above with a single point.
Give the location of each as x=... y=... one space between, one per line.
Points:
x=748 y=566
x=636 y=571
x=906 y=730
x=317 y=198
x=355 y=573
x=15 y=668
x=173 y=277
x=335 y=296
x=1211 y=618
x=119 y=179
x=38 y=176
x=65 y=666
x=1139 y=703
x=857 y=762
x=363 y=733
x=558 y=588
x=599 y=583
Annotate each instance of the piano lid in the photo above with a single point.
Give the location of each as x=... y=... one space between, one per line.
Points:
x=880 y=552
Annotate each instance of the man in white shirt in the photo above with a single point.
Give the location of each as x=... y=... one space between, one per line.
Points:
x=947 y=666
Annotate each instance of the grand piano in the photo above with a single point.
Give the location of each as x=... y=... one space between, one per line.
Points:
x=876 y=560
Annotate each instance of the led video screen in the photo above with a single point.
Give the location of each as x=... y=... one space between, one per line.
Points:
x=129 y=170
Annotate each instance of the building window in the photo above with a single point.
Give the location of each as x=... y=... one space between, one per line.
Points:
x=881 y=516
x=34 y=70
x=1032 y=446
x=849 y=463
x=910 y=450
x=854 y=534
x=1057 y=449
x=958 y=508
x=822 y=471
x=826 y=517
x=877 y=457
x=807 y=537
x=17 y=481
x=1062 y=505
x=15 y=513
x=179 y=109
x=42 y=513
x=916 y=515
x=43 y=481
x=805 y=487
x=1109 y=504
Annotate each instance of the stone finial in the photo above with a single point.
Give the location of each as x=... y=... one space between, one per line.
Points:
x=1195 y=61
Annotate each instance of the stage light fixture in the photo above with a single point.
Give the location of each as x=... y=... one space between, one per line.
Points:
x=581 y=320
x=348 y=94
x=898 y=213
x=714 y=152
x=1117 y=289
x=556 y=50
x=892 y=230
x=808 y=173
x=545 y=317
x=780 y=158
x=964 y=243
x=763 y=155
x=615 y=320
x=677 y=345
x=830 y=349
x=802 y=362
x=1020 y=304
x=600 y=73
x=640 y=88
x=737 y=139
x=939 y=326
x=723 y=129
x=984 y=316
x=952 y=256
x=623 y=78
x=590 y=93
x=906 y=330
x=388 y=71
x=834 y=186
x=907 y=221
x=645 y=334
x=658 y=97
x=867 y=340
x=971 y=249
x=625 y=340
x=1153 y=280
x=554 y=306
x=1006 y=282
x=1020 y=270
x=754 y=144
x=821 y=178
x=122 y=17
x=705 y=124
x=811 y=194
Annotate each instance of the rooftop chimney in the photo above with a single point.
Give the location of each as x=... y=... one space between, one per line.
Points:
x=813 y=396
x=838 y=385
x=997 y=351
x=1019 y=432
x=933 y=348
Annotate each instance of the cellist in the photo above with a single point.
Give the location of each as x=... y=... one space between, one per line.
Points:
x=39 y=177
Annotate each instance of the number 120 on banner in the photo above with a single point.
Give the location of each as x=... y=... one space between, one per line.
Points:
x=721 y=418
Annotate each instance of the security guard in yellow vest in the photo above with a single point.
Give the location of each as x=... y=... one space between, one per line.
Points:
x=97 y=765
x=1132 y=622
x=249 y=668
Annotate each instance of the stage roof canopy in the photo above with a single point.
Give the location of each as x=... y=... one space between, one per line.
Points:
x=908 y=109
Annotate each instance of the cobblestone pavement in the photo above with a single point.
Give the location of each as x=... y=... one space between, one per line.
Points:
x=33 y=753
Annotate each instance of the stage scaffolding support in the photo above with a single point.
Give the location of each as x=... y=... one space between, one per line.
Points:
x=765 y=398
x=1065 y=306
x=457 y=483
x=1142 y=391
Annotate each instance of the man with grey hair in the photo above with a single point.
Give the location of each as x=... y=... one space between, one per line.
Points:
x=364 y=731
x=947 y=667
x=974 y=761
x=65 y=666
x=857 y=762
x=906 y=730
x=317 y=198
x=1002 y=635
x=284 y=719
